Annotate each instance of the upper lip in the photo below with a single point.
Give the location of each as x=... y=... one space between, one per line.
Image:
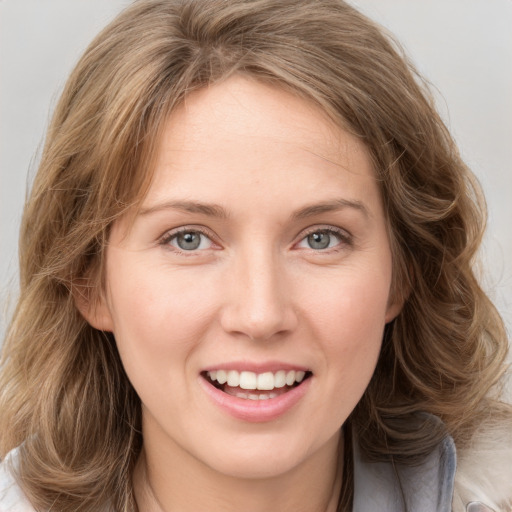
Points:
x=261 y=367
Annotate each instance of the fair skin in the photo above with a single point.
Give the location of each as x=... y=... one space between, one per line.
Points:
x=261 y=248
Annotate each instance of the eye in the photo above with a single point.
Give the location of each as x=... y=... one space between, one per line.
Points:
x=322 y=239
x=188 y=240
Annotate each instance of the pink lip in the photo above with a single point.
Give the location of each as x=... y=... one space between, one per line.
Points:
x=270 y=366
x=256 y=411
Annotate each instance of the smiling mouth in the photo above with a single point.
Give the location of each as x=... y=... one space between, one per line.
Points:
x=256 y=386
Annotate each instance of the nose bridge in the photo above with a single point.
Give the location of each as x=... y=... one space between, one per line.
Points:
x=259 y=304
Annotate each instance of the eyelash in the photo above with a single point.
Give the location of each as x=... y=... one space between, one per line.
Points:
x=345 y=238
x=166 y=239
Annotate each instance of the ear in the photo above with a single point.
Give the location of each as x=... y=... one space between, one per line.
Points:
x=398 y=295
x=394 y=309
x=92 y=305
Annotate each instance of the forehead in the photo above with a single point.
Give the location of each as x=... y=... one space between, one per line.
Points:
x=245 y=107
x=253 y=132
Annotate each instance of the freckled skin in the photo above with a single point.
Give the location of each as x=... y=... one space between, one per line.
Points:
x=253 y=290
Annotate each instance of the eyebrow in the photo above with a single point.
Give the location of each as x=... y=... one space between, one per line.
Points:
x=330 y=206
x=210 y=210
x=215 y=210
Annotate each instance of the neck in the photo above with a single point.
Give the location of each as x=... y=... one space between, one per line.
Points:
x=186 y=485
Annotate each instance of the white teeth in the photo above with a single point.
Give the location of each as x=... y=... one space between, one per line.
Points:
x=247 y=380
x=299 y=376
x=280 y=379
x=290 y=378
x=252 y=396
x=233 y=378
x=266 y=381
x=222 y=376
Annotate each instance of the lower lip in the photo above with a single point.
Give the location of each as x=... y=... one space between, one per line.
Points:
x=256 y=411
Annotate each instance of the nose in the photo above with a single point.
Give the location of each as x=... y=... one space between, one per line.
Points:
x=258 y=302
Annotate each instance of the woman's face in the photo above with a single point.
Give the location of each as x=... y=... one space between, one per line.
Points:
x=261 y=256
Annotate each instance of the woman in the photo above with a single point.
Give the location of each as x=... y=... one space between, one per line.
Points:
x=246 y=279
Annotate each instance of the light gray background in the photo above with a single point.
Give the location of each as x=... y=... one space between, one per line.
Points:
x=464 y=48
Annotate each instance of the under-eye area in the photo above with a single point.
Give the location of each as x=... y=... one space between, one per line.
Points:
x=256 y=386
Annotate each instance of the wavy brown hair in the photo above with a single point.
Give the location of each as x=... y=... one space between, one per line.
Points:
x=65 y=398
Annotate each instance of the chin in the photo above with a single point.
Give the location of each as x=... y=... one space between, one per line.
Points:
x=269 y=456
x=251 y=467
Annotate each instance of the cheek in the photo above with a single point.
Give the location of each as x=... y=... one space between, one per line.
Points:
x=152 y=302
x=353 y=301
x=348 y=322
x=353 y=339
x=158 y=319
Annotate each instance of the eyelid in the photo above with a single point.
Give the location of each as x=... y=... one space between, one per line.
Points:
x=166 y=238
x=346 y=237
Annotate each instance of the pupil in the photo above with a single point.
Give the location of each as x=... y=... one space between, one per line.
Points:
x=319 y=240
x=189 y=241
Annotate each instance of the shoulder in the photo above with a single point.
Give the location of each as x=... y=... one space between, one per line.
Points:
x=476 y=478
x=484 y=468
x=12 y=498
x=390 y=486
